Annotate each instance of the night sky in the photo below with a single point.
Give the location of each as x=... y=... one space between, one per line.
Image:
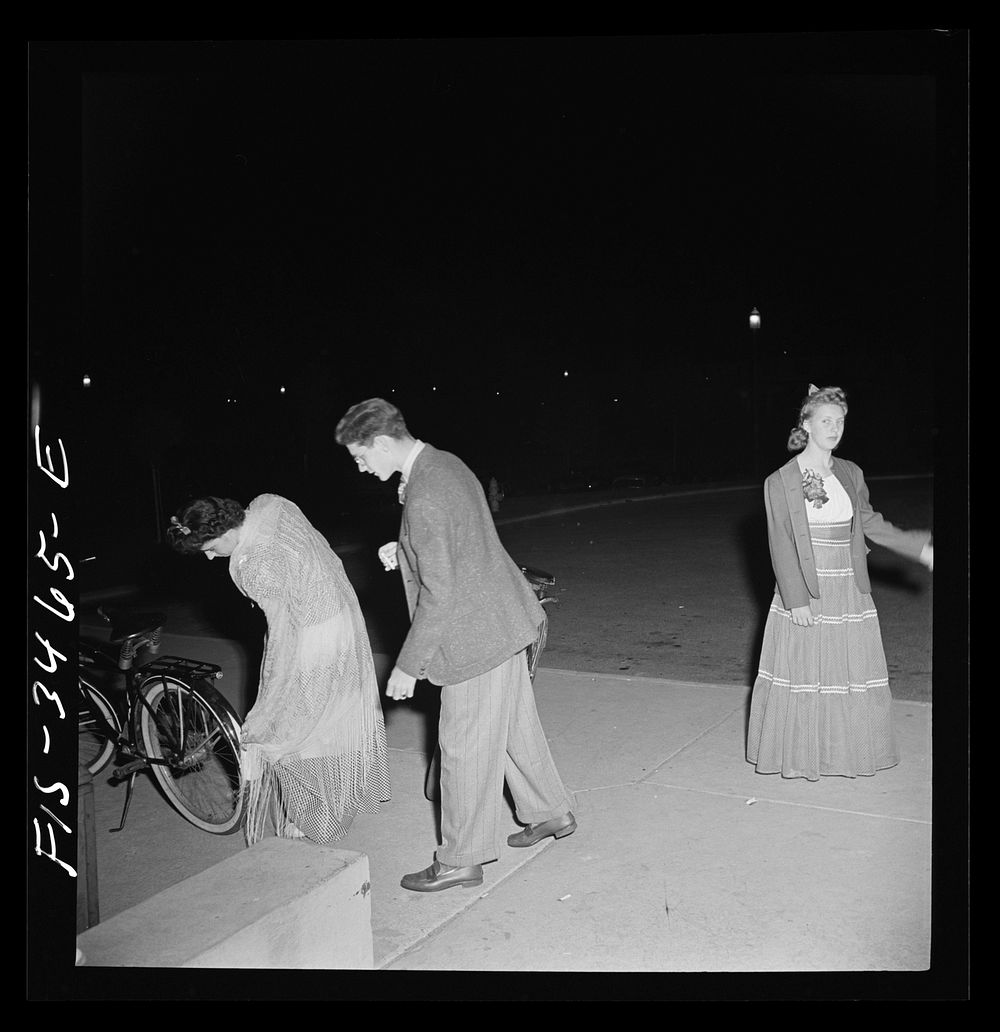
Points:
x=386 y=217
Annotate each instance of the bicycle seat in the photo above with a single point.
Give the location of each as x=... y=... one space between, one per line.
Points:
x=128 y=624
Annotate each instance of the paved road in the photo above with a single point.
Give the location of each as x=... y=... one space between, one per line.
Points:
x=679 y=588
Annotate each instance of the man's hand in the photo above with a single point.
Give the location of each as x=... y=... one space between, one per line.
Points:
x=401 y=684
x=802 y=616
x=387 y=554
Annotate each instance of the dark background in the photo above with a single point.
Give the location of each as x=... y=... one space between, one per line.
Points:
x=456 y=225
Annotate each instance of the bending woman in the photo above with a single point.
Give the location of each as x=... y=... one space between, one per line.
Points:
x=314 y=747
x=821 y=701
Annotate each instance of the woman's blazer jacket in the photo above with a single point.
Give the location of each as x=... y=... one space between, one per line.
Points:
x=788 y=532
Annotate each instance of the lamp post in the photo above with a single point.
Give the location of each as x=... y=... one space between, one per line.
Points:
x=754 y=328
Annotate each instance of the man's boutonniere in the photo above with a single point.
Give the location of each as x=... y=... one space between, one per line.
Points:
x=812 y=489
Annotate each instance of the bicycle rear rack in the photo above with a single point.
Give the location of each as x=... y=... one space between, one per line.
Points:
x=180 y=666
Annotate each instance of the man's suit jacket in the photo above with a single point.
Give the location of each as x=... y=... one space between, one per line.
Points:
x=788 y=531
x=470 y=605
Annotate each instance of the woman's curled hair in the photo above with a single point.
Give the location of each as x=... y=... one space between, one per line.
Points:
x=798 y=438
x=203 y=520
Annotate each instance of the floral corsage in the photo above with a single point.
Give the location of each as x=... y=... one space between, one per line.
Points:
x=812 y=489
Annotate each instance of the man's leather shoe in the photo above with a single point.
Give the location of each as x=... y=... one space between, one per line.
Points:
x=559 y=827
x=435 y=878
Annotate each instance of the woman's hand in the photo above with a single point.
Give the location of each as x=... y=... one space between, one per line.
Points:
x=802 y=616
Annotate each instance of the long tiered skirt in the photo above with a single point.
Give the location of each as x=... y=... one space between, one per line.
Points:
x=821 y=703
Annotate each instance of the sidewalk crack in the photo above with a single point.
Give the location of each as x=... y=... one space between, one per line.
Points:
x=687 y=745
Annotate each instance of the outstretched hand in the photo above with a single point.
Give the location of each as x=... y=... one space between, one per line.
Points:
x=927 y=556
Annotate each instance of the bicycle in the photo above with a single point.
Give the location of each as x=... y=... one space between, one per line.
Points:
x=540 y=582
x=175 y=724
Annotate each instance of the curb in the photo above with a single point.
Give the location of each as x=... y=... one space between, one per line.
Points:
x=622 y=501
x=676 y=494
x=594 y=675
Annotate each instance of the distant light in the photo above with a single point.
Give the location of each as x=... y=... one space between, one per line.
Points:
x=86 y=380
x=566 y=373
x=434 y=388
x=282 y=390
x=754 y=320
x=498 y=394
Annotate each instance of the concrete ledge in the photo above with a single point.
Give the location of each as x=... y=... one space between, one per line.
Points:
x=282 y=904
x=88 y=912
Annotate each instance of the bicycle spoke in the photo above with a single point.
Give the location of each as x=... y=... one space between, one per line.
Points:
x=180 y=719
x=202 y=775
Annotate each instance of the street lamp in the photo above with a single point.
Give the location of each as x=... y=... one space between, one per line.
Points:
x=754 y=328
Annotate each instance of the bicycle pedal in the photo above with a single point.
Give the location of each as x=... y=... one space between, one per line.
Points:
x=129 y=768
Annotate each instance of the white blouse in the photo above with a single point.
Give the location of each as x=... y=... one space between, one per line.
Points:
x=837 y=508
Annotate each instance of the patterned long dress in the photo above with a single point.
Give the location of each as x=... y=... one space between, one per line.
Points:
x=314 y=746
x=821 y=703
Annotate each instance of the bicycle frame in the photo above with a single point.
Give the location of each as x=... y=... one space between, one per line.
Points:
x=540 y=582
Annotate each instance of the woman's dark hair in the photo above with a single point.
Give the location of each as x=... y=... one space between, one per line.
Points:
x=798 y=438
x=203 y=520
x=363 y=422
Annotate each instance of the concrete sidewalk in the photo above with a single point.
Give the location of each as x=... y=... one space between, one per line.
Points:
x=685 y=859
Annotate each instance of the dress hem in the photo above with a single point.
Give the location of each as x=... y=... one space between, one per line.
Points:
x=824 y=773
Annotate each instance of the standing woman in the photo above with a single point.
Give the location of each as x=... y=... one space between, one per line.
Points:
x=821 y=701
x=314 y=747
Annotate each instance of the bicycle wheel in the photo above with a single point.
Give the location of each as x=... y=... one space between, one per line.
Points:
x=196 y=731
x=95 y=747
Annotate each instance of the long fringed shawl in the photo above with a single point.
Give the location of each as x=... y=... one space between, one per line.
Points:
x=314 y=747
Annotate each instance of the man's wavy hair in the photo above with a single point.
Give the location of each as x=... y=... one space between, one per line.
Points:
x=365 y=421
x=798 y=438
x=203 y=520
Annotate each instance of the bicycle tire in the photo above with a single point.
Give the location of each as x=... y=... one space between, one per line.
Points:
x=95 y=749
x=197 y=731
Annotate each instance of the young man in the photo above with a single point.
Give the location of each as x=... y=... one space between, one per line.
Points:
x=473 y=615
